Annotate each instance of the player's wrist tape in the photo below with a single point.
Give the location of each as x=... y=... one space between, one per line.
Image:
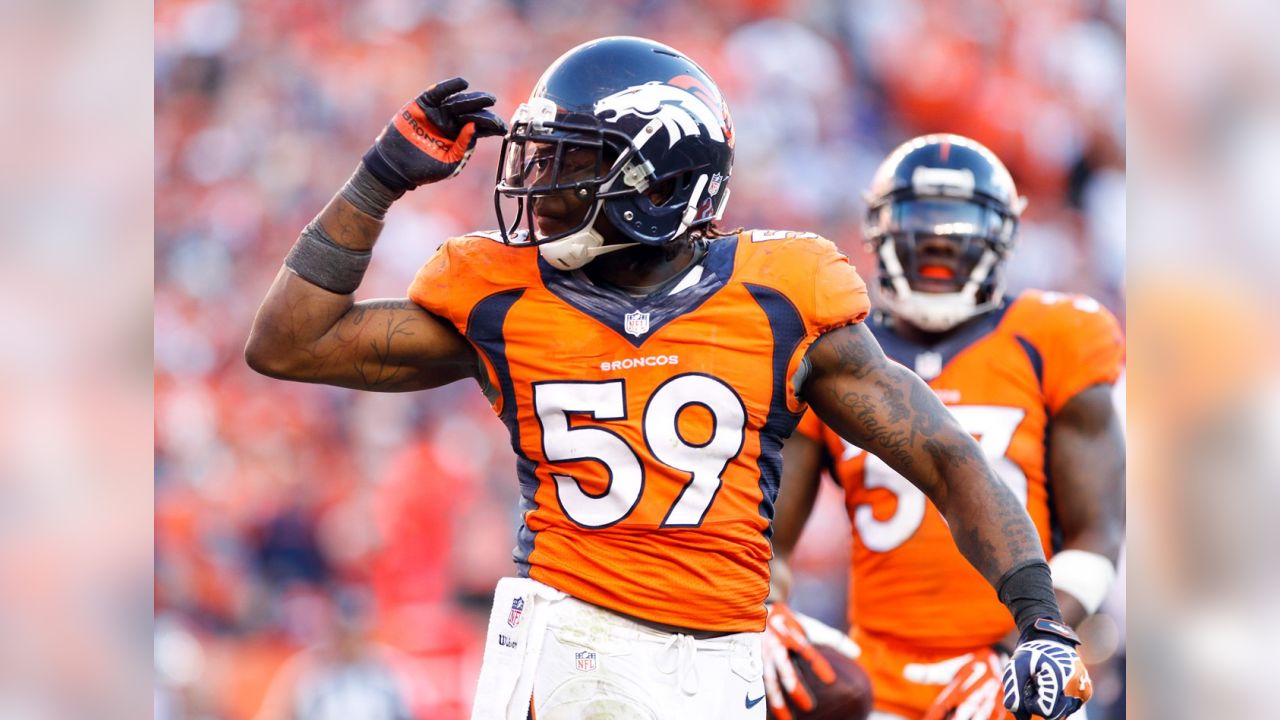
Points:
x=368 y=193
x=1027 y=590
x=320 y=261
x=1084 y=575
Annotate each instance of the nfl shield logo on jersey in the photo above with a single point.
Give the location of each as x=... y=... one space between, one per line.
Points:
x=636 y=323
x=929 y=365
x=585 y=660
x=517 y=609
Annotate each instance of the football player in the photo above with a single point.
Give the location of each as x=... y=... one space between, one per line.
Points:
x=648 y=367
x=1030 y=377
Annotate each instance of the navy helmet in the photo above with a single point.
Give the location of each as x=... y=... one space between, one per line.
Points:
x=631 y=126
x=949 y=188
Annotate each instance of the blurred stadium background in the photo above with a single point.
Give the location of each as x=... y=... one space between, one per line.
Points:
x=290 y=517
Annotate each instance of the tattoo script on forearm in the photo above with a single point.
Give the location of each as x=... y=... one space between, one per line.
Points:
x=898 y=417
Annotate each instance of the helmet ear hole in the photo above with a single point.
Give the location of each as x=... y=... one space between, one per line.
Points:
x=662 y=193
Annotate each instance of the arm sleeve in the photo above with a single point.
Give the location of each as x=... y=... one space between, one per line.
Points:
x=826 y=289
x=1084 y=347
x=435 y=286
x=839 y=294
x=462 y=272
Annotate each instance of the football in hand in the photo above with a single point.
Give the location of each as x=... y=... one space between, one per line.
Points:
x=848 y=698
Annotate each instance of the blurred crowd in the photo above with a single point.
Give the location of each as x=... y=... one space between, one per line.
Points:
x=319 y=550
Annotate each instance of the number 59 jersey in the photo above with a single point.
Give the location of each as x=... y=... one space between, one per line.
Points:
x=647 y=431
x=1003 y=377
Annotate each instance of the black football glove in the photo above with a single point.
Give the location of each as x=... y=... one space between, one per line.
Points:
x=1045 y=677
x=432 y=136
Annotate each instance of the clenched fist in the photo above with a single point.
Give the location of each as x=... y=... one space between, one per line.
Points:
x=432 y=136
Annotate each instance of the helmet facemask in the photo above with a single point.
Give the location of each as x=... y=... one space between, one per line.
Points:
x=942 y=212
x=940 y=258
x=606 y=169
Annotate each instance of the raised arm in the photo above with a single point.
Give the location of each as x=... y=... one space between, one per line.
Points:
x=309 y=328
x=306 y=333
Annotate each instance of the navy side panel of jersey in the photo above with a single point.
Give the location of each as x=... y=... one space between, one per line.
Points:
x=485 y=329
x=787 y=329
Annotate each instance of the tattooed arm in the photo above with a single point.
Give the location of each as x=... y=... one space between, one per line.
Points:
x=306 y=333
x=886 y=409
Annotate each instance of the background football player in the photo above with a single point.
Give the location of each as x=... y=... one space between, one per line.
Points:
x=1029 y=376
x=647 y=368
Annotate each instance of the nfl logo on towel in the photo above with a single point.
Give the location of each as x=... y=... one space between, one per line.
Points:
x=636 y=323
x=517 y=609
x=585 y=660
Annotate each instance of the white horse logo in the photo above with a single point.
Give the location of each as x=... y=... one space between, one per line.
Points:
x=680 y=111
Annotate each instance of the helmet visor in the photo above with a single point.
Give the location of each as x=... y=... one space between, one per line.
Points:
x=556 y=170
x=941 y=217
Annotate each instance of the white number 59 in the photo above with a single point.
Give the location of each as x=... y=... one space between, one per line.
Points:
x=555 y=401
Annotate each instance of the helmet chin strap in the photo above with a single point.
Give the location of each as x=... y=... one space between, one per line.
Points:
x=574 y=251
x=578 y=249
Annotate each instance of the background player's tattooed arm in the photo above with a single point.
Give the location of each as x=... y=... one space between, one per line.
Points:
x=306 y=333
x=884 y=408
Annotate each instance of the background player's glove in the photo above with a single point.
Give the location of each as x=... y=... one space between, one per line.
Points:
x=974 y=692
x=432 y=136
x=1045 y=676
x=786 y=632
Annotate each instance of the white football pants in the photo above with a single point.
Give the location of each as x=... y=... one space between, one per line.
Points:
x=597 y=663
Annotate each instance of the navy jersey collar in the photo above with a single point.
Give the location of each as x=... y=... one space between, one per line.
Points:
x=635 y=319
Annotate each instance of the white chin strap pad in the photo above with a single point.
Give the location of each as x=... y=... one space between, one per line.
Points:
x=578 y=249
x=933 y=312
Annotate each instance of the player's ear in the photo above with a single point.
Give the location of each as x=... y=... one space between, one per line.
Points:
x=659 y=194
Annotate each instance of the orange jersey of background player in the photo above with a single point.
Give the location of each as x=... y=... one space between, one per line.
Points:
x=647 y=430
x=1004 y=376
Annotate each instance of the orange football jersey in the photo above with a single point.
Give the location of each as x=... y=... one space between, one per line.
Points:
x=647 y=431
x=1003 y=377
